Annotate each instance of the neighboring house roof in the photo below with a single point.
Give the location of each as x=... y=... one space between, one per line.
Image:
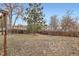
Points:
x=20 y=27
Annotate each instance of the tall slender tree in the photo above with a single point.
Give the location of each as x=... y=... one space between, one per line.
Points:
x=35 y=17
x=54 y=23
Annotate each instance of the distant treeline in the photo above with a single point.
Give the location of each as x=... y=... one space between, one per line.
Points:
x=53 y=33
x=59 y=33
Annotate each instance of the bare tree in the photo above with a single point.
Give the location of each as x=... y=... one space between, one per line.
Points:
x=68 y=23
x=14 y=9
x=54 y=23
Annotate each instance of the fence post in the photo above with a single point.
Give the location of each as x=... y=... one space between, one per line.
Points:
x=5 y=33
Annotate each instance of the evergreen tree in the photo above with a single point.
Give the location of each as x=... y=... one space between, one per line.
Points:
x=35 y=18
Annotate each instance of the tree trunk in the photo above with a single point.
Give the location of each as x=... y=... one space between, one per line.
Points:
x=34 y=27
x=15 y=21
x=2 y=25
x=10 y=20
x=5 y=34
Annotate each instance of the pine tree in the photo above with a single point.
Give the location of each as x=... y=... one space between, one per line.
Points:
x=35 y=18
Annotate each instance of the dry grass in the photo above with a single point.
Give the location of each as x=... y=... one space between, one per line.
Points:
x=33 y=45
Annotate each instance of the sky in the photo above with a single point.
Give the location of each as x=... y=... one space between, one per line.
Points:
x=58 y=9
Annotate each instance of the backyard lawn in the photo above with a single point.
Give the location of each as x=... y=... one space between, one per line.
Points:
x=40 y=45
